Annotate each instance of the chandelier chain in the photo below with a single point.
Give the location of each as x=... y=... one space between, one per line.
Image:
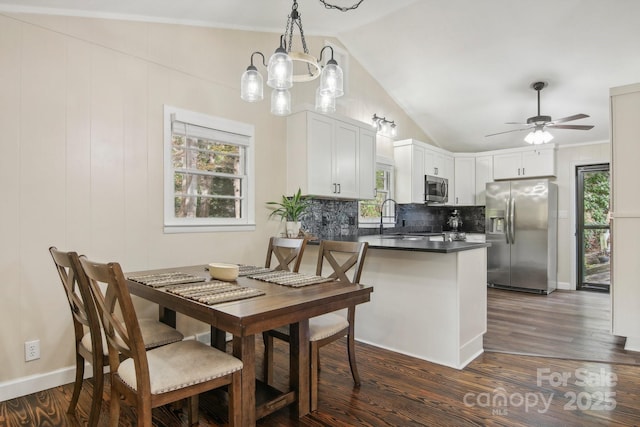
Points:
x=341 y=8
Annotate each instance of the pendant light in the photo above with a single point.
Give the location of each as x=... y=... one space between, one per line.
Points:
x=280 y=74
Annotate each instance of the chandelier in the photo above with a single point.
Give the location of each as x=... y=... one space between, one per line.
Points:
x=280 y=76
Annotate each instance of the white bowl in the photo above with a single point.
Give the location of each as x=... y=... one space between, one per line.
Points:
x=221 y=271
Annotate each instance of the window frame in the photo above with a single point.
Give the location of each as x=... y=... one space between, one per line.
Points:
x=237 y=133
x=386 y=164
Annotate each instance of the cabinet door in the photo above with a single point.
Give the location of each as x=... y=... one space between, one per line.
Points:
x=625 y=128
x=539 y=163
x=346 y=160
x=320 y=146
x=465 y=181
x=507 y=166
x=367 y=164
x=484 y=174
x=418 y=159
x=430 y=163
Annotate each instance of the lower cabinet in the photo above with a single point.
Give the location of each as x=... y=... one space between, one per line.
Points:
x=329 y=157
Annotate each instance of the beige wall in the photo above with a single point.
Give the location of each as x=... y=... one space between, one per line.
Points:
x=81 y=157
x=568 y=157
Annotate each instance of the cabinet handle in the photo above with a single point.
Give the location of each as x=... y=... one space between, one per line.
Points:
x=435 y=171
x=335 y=188
x=518 y=171
x=339 y=189
x=523 y=171
x=456 y=200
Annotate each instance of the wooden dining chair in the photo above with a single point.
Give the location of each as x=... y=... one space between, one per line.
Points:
x=145 y=378
x=342 y=258
x=286 y=251
x=90 y=342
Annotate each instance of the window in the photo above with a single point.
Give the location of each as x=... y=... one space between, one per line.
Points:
x=369 y=210
x=209 y=167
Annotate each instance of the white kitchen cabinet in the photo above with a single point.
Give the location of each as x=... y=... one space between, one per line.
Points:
x=367 y=164
x=415 y=159
x=329 y=157
x=464 y=181
x=528 y=163
x=484 y=174
x=409 y=158
x=625 y=214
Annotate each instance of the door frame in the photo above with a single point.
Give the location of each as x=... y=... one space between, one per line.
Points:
x=579 y=253
x=573 y=216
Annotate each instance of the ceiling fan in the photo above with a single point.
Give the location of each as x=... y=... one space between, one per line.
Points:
x=537 y=124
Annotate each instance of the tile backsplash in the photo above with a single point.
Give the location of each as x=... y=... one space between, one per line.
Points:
x=328 y=219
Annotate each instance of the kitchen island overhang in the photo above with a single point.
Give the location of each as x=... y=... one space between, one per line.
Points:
x=430 y=298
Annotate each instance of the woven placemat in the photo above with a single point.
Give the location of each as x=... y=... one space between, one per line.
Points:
x=246 y=270
x=289 y=278
x=214 y=292
x=157 y=280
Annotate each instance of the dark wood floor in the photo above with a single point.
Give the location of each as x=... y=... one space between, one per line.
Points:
x=496 y=389
x=565 y=324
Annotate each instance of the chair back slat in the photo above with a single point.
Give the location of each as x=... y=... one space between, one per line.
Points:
x=336 y=254
x=123 y=335
x=286 y=251
x=79 y=297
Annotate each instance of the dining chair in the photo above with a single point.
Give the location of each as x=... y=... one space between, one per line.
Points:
x=343 y=258
x=286 y=251
x=90 y=341
x=147 y=379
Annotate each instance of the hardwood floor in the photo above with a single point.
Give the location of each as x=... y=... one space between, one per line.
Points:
x=495 y=389
x=564 y=324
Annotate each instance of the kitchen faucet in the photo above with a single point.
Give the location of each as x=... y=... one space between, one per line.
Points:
x=382 y=216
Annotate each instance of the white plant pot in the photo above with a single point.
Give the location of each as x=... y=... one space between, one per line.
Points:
x=293 y=228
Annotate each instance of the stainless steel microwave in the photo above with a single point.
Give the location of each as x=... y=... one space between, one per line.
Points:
x=436 y=189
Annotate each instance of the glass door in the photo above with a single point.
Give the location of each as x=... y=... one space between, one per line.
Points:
x=592 y=234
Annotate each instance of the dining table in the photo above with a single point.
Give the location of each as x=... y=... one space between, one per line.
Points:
x=264 y=305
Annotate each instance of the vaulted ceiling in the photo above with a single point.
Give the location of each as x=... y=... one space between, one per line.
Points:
x=459 y=68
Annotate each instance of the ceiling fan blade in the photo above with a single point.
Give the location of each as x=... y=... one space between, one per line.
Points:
x=507 y=131
x=577 y=127
x=570 y=118
x=516 y=123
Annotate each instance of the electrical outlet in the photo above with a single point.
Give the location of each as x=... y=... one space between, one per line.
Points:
x=31 y=350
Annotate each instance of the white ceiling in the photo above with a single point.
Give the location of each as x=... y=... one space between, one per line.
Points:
x=459 y=68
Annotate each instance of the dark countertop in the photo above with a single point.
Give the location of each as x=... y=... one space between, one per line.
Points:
x=419 y=245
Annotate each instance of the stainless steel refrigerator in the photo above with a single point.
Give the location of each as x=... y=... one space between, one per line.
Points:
x=522 y=227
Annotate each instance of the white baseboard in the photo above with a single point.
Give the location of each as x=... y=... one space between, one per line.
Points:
x=35 y=383
x=632 y=344
x=565 y=286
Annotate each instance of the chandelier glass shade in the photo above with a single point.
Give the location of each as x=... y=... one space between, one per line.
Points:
x=280 y=73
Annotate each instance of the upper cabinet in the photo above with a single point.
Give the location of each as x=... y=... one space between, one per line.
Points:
x=465 y=181
x=528 y=163
x=484 y=174
x=329 y=157
x=415 y=159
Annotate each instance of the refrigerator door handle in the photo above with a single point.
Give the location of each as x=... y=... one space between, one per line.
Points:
x=507 y=205
x=512 y=220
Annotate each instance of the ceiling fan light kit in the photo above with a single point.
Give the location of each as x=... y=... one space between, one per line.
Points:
x=280 y=71
x=538 y=124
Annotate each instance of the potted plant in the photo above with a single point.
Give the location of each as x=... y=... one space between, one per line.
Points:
x=291 y=209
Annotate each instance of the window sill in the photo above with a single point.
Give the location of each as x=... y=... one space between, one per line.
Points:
x=175 y=229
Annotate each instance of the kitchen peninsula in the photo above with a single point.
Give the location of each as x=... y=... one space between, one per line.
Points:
x=429 y=299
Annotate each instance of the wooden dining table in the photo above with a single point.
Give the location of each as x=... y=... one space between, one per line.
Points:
x=278 y=306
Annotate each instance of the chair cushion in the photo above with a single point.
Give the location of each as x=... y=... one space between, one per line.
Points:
x=181 y=364
x=154 y=334
x=326 y=325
